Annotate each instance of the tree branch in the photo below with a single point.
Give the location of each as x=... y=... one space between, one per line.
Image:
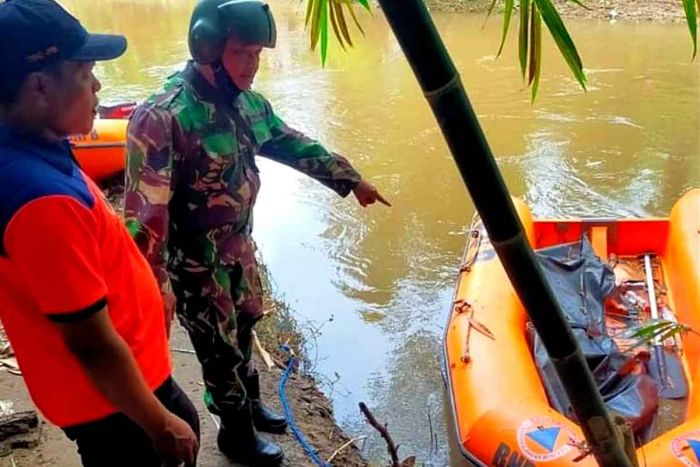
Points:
x=390 y=445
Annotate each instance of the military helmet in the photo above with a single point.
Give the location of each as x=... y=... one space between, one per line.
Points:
x=214 y=21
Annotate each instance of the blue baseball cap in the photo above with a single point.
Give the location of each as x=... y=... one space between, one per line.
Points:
x=40 y=33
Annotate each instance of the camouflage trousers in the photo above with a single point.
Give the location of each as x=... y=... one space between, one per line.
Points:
x=219 y=305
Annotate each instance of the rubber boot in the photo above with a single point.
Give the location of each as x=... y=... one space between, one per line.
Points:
x=239 y=441
x=264 y=418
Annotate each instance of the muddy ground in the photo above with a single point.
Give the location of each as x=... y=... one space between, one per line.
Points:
x=668 y=11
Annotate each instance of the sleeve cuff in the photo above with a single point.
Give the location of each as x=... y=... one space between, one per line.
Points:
x=78 y=315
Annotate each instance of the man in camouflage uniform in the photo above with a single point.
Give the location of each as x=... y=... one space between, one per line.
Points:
x=191 y=185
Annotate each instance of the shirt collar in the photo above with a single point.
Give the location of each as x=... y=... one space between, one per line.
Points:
x=55 y=153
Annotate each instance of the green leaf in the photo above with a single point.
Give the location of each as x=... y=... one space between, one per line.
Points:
x=691 y=18
x=332 y=13
x=317 y=14
x=647 y=331
x=365 y=4
x=535 y=50
x=488 y=14
x=344 y=24
x=533 y=39
x=315 y=19
x=324 y=31
x=562 y=38
x=354 y=18
x=524 y=35
x=507 y=13
x=675 y=330
x=310 y=8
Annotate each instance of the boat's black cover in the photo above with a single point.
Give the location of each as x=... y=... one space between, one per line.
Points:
x=581 y=282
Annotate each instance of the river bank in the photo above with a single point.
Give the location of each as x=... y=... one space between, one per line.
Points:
x=668 y=11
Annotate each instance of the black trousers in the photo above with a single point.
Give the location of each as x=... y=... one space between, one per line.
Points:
x=116 y=441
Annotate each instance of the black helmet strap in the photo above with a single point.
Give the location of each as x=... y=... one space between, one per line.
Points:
x=224 y=84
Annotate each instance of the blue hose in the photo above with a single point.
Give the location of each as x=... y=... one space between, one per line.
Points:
x=308 y=449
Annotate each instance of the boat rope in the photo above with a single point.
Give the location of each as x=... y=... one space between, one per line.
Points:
x=308 y=449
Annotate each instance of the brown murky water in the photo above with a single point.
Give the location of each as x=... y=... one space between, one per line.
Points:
x=628 y=147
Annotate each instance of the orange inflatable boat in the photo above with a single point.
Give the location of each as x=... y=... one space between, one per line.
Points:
x=506 y=408
x=102 y=152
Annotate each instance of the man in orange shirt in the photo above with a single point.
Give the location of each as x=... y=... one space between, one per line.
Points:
x=79 y=303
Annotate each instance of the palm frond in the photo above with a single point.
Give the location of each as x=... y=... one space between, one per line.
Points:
x=319 y=13
x=691 y=16
x=324 y=30
x=325 y=15
x=648 y=332
x=561 y=36
x=535 y=49
x=532 y=12
x=507 y=13
x=488 y=14
x=524 y=35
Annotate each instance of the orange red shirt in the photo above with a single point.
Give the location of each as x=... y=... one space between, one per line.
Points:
x=64 y=255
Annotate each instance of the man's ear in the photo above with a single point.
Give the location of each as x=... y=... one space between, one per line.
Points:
x=38 y=89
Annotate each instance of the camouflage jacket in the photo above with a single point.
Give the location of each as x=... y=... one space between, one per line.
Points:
x=191 y=177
